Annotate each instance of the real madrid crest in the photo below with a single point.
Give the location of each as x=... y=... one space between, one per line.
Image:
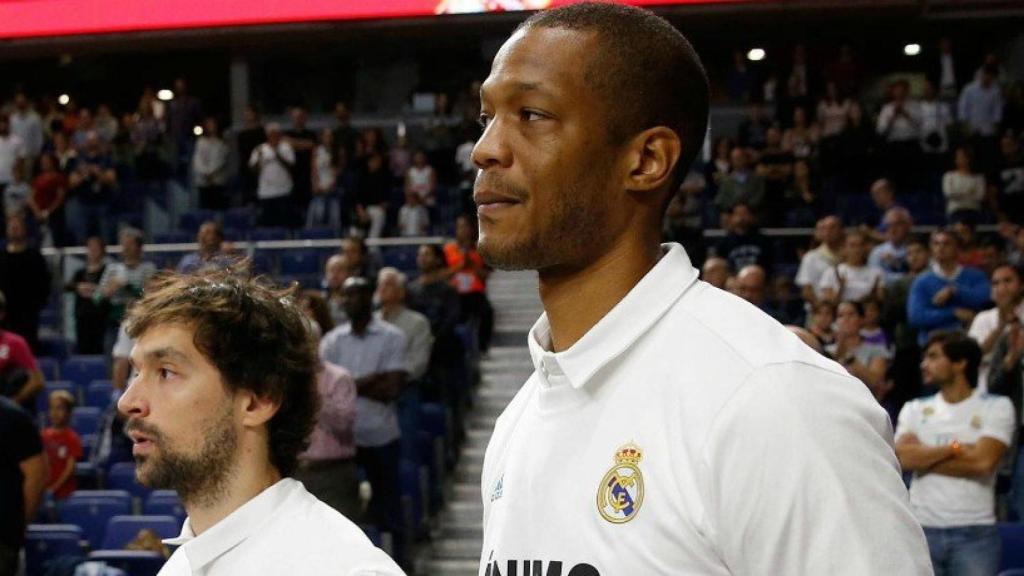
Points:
x=621 y=492
x=976 y=422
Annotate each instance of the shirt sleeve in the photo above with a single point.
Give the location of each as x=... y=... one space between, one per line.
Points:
x=420 y=345
x=74 y=445
x=1000 y=422
x=980 y=328
x=907 y=421
x=801 y=463
x=338 y=404
x=21 y=356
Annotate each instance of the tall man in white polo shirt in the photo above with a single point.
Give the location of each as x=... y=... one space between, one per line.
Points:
x=222 y=402
x=953 y=441
x=273 y=161
x=670 y=427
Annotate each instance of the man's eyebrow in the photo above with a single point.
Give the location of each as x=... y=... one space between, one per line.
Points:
x=517 y=87
x=166 y=353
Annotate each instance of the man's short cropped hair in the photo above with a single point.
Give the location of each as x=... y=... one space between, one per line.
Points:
x=256 y=337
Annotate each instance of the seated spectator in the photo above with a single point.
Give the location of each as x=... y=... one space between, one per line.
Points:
x=683 y=217
x=751 y=286
x=828 y=233
x=890 y=257
x=963 y=189
x=715 y=271
x=24 y=472
x=1008 y=313
x=970 y=253
x=872 y=331
x=953 y=442
x=335 y=274
x=866 y=362
x=786 y=300
x=801 y=139
x=820 y=320
x=421 y=179
x=49 y=190
x=775 y=166
x=25 y=281
x=883 y=199
x=211 y=253
x=416 y=327
x=90 y=314
x=753 y=129
x=20 y=377
x=800 y=198
x=744 y=244
x=413 y=217
x=431 y=295
x=741 y=186
x=948 y=295
x=1008 y=182
x=361 y=261
x=325 y=206
x=469 y=276
x=13 y=151
x=720 y=166
x=63 y=446
x=210 y=167
x=317 y=311
x=852 y=279
x=91 y=185
x=17 y=193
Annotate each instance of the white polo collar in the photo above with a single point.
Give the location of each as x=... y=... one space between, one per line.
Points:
x=648 y=301
x=235 y=528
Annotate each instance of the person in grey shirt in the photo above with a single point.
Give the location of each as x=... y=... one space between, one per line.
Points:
x=416 y=327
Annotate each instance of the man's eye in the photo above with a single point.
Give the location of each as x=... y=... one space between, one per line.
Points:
x=530 y=115
x=165 y=373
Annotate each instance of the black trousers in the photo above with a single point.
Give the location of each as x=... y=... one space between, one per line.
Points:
x=385 y=508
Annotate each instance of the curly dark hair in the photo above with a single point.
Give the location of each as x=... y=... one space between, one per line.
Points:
x=256 y=337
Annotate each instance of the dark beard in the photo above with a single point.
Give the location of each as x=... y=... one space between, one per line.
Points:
x=200 y=479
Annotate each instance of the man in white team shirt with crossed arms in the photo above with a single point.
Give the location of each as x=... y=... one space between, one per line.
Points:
x=669 y=427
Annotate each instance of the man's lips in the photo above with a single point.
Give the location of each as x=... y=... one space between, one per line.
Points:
x=490 y=203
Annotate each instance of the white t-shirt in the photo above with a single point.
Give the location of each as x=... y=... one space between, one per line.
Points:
x=942 y=501
x=419 y=182
x=283 y=530
x=275 y=177
x=859 y=282
x=689 y=433
x=325 y=171
x=812 y=266
x=464 y=157
x=413 y=220
x=904 y=128
x=963 y=191
x=984 y=324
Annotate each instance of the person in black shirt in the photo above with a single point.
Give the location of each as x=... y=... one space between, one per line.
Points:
x=372 y=195
x=25 y=280
x=303 y=141
x=23 y=475
x=744 y=245
x=248 y=139
x=90 y=316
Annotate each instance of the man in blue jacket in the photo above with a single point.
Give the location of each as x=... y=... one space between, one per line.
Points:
x=947 y=295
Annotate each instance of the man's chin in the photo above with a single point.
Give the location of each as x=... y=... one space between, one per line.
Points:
x=506 y=257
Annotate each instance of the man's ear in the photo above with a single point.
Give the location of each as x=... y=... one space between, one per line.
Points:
x=256 y=410
x=653 y=156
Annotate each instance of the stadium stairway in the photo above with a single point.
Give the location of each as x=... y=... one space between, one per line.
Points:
x=458 y=537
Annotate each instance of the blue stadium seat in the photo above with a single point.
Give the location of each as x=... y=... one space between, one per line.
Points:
x=135 y=563
x=50 y=367
x=88 y=445
x=85 y=420
x=54 y=346
x=190 y=221
x=239 y=218
x=84 y=369
x=316 y=234
x=90 y=512
x=123 y=529
x=1012 y=534
x=121 y=476
x=99 y=394
x=165 y=503
x=86 y=474
x=45 y=542
x=50 y=317
x=297 y=262
x=401 y=257
x=43 y=397
x=268 y=233
x=174 y=237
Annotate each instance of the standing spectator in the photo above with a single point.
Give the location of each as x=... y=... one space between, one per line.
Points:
x=49 y=190
x=90 y=313
x=210 y=167
x=325 y=206
x=371 y=199
x=83 y=127
x=883 y=199
x=1009 y=180
x=947 y=296
x=963 y=189
x=864 y=361
x=20 y=377
x=91 y=189
x=852 y=279
x=1006 y=377
x=316 y=309
x=328 y=467
x=25 y=281
x=344 y=134
x=431 y=295
x=899 y=126
x=273 y=161
x=66 y=155
x=413 y=217
x=683 y=222
x=906 y=374
x=799 y=81
x=210 y=238
x=833 y=116
x=469 y=277
x=248 y=139
x=336 y=272
x=416 y=327
x=26 y=124
x=741 y=83
x=744 y=244
x=106 y=124
x=890 y=257
x=400 y=158
x=23 y=474
x=775 y=165
x=63 y=446
x=373 y=352
x=752 y=132
x=421 y=179
x=801 y=139
x=741 y=185
x=846 y=71
x=953 y=442
x=12 y=154
x=122 y=282
x=857 y=149
x=936 y=118
x=16 y=195
x=184 y=113
x=828 y=232
x=303 y=141
x=980 y=110
x=147 y=138
x=464 y=160
x=1007 y=314
x=945 y=71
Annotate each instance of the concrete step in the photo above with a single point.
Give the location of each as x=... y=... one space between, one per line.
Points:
x=463 y=512
x=466 y=492
x=469 y=472
x=452 y=568
x=457 y=549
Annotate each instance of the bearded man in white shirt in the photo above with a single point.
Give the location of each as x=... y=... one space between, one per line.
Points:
x=222 y=403
x=669 y=427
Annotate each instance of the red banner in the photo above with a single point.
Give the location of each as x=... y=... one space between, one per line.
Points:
x=40 y=18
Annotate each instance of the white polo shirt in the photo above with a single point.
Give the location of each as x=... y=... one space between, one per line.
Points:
x=689 y=433
x=941 y=501
x=283 y=530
